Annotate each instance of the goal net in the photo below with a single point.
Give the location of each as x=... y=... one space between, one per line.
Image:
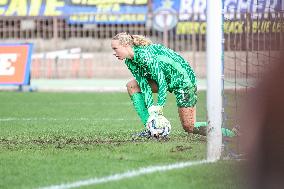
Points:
x=253 y=40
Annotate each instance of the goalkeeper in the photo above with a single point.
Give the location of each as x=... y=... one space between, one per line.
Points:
x=157 y=69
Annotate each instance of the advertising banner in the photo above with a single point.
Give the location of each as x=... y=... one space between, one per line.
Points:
x=184 y=16
x=189 y=16
x=80 y=11
x=15 y=60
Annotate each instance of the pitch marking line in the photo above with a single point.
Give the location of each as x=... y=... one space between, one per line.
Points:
x=7 y=119
x=128 y=174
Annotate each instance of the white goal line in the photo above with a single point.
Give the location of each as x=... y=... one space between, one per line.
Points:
x=128 y=174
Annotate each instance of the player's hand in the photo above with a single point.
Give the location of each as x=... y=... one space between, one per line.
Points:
x=155 y=110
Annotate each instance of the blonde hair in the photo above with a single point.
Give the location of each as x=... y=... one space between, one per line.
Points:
x=136 y=40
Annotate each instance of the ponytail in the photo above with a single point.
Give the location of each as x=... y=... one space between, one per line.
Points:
x=139 y=40
x=136 y=40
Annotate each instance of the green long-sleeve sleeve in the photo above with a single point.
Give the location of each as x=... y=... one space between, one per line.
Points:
x=138 y=74
x=152 y=70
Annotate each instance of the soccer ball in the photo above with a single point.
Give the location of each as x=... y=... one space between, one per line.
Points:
x=159 y=126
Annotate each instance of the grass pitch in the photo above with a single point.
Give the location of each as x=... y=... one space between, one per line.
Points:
x=54 y=138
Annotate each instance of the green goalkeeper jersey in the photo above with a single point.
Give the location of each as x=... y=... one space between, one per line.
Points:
x=170 y=71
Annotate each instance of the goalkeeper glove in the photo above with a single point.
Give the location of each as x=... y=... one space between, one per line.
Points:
x=155 y=110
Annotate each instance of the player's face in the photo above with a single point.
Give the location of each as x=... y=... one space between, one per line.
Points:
x=121 y=52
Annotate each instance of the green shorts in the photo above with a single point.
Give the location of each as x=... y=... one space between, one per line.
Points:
x=186 y=97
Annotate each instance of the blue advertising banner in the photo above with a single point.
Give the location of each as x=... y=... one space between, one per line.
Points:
x=189 y=16
x=79 y=11
x=187 y=7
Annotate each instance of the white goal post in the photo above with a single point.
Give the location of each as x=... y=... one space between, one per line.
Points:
x=214 y=37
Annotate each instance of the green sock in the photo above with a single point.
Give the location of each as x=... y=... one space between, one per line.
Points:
x=225 y=132
x=200 y=124
x=140 y=106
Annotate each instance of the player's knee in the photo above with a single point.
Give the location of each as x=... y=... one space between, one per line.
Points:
x=132 y=87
